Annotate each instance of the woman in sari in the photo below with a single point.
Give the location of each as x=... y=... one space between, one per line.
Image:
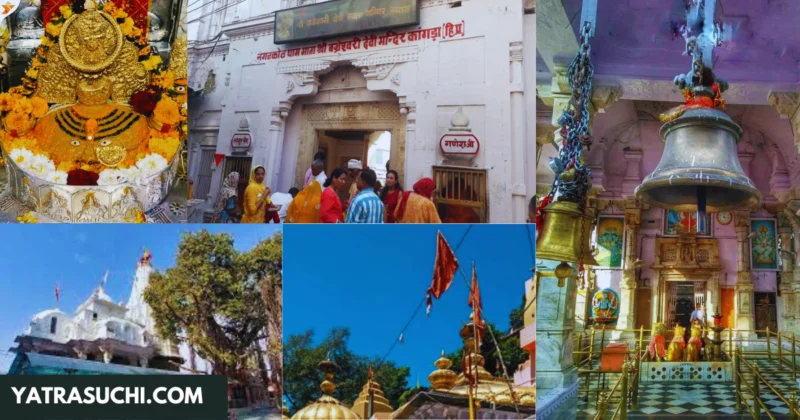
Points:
x=390 y=195
x=330 y=204
x=305 y=207
x=256 y=197
x=226 y=209
x=416 y=206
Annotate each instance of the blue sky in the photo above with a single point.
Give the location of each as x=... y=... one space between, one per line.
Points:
x=33 y=258
x=372 y=278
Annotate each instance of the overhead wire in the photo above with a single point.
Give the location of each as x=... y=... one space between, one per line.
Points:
x=416 y=311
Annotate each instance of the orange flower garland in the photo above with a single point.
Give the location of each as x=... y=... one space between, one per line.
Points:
x=22 y=107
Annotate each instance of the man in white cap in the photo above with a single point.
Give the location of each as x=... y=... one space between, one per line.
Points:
x=354 y=167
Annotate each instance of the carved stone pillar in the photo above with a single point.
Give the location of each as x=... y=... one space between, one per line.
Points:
x=108 y=353
x=81 y=353
x=409 y=109
x=633 y=174
x=712 y=299
x=788 y=294
x=744 y=280
x=558 y=94
x=788 y=105
x=627 y=298
x=519 y=191
x=555 y=322
x=143 y=362
x=267 y=152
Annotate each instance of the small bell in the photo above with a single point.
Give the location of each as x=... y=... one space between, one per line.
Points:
x=561 y=232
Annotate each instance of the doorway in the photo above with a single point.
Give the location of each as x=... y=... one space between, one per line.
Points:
x=372 y=148
x=766 y=313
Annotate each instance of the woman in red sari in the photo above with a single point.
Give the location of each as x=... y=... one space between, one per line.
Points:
x=390 y=195
x=417 y=207
x=330 y=206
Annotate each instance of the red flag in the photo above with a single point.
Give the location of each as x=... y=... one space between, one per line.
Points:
x=58 y=293
x=475 y=302
x=444 y=268
x=218 y=158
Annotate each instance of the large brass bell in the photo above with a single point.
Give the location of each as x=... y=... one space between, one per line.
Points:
x=560 y=239
x=700 y=166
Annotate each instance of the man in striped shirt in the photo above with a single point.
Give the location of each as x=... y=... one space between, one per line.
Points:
x=366 y=207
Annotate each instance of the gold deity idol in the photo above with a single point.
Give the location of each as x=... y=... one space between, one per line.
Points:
x=91 y=45
x=675 y=351
x=93 y=132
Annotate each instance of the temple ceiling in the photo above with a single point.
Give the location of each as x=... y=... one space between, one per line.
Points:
x=636 y=46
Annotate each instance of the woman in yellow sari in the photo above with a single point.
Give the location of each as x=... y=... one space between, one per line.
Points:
x=256 y=197
x=305 y=206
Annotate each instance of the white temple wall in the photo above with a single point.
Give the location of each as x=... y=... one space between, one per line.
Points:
x=432 y=78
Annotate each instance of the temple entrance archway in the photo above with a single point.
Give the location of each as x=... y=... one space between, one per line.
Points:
x=348 y=131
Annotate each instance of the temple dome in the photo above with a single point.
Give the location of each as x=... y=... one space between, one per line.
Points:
x=47 y=313
x=326 y=407
x=379 y=402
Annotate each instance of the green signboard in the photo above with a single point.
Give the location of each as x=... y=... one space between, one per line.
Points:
x=342 y=17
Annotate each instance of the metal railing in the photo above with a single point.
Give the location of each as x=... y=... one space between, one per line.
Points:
x=736 y=347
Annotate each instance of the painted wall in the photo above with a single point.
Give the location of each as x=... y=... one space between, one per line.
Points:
x=479 y=71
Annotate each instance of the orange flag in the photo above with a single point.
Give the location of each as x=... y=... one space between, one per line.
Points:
x=475 y=301
x=444 y=268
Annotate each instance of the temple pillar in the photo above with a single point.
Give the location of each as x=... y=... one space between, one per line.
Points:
x=788 y=296
x=108 y=354
x=268 y=152
x=143 y=362
x=788 y=105
x=627 y=298
x=556 y=375
x=745 y=320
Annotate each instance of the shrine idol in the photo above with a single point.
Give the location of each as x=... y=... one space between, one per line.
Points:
x=95 y=129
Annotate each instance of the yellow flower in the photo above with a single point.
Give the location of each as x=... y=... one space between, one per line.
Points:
x=39 y=106
x=152 y=62
x=167 y=112
x=23 y=106
x=166 y=147
x=119 y=14
x=66 y=11
x=65 y=166
x=164 y=80
x=27 y=218
x=127 y=26
x=52 y=29
x=23 y=143
x=33 y=73
x=46 y=41
x=7 y=102
x=17 y=121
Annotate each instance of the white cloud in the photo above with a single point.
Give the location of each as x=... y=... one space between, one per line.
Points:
x=81 y=258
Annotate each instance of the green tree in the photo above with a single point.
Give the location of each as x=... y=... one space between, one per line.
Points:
x=302 y=376
x=212 y=299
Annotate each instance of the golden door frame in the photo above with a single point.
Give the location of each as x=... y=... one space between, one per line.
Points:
x=686 y=258
x=360 y=116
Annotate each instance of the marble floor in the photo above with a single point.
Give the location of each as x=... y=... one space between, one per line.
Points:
x=172 y=210
x=662 y=399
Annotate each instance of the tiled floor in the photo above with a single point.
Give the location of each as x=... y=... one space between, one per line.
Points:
x=660 y=399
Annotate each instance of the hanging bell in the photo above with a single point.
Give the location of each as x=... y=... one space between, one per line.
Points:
x=561 y=234
x=700 y=166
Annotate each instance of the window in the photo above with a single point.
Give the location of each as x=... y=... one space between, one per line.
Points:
x=461 y=195
x=53 y=323
x=94 y=316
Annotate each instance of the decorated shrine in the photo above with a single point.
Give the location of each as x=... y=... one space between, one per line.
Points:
x=94 y=129
x=669 y=190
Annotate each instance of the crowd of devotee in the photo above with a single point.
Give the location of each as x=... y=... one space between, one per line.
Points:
x=326 y=198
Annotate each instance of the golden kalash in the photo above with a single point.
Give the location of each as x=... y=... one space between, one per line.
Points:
x=98 y=120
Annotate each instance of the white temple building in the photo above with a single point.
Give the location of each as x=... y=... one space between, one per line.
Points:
x=99 y=330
